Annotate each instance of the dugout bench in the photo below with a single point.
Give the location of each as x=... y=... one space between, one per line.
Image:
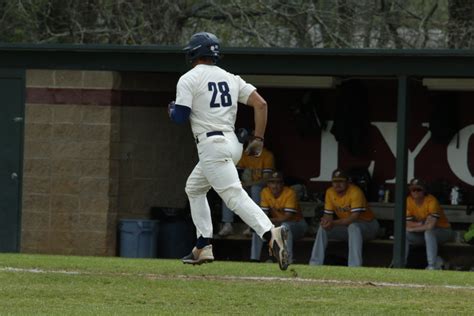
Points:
x=377 y=253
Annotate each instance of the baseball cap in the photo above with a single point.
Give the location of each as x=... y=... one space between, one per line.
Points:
x=339 y=175
x=417 y=183
x=276 y=176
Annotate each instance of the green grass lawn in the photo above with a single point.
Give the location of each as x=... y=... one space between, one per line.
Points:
x=94 y=285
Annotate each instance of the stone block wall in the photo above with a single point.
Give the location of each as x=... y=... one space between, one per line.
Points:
x=70 y=180
x=98 y=147
x=155 y=160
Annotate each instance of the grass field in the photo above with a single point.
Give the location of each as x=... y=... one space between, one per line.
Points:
x=60 y=285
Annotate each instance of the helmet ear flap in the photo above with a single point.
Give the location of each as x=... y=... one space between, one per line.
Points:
x=191 y=55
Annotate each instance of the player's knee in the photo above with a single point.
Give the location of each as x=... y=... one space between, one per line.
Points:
x=429 y=233
x=192 y=190
x=232 y=196
x=233 y=202
x=354 y=228
x=321 y=232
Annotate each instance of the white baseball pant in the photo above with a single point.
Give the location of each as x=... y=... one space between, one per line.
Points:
x=218 y=156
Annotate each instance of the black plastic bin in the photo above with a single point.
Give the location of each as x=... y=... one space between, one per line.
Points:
x=176 y=233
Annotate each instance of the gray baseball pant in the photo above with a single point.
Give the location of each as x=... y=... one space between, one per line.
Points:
x=356 y=233
x=431 y=238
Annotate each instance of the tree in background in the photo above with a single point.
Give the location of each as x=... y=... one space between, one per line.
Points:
x=460 y=28
x=260 y=23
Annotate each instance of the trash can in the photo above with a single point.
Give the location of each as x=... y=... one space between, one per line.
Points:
x=138 y=238
x=176 y=233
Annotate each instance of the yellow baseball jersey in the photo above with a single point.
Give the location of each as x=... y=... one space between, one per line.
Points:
x=286 y=202
x=352 y=201
x=259 y=165
x=430 y=207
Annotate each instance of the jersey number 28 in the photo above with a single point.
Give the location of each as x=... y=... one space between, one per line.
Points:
x=222 y=88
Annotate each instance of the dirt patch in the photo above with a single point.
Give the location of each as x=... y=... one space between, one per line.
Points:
x=303 y=280
x=231 y=278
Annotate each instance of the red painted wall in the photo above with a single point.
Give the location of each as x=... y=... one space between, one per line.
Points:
x=299 y=156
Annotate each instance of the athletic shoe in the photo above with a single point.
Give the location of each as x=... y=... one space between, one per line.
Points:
x=278 y=247
x=199 y=256
x=439 y=264
x=226 y=230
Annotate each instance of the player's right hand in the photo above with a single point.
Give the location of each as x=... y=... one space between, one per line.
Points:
x=255 y=147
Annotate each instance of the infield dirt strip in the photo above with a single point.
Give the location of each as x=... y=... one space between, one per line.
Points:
x=245 y=278
x=303 y=280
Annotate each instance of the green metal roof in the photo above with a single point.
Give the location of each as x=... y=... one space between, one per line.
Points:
x=294 y=61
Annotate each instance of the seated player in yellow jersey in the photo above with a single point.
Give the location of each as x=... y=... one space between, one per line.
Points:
x=281 y=205
x=426 y=223
x=355 y=223
x=258 y=169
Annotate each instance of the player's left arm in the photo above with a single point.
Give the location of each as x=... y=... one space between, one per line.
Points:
x=346 y=221
x=429 y=224
x=178 y=113
x=255 y=146
x=180 y=110
x=358 y=205
x=284 y=218
x=431 y=220
x=329 y=210
x=260 y=106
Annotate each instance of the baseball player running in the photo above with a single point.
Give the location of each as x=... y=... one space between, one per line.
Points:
x=207 y=95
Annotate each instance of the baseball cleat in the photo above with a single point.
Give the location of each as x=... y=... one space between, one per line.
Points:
x=199 y=256
x=278 y=247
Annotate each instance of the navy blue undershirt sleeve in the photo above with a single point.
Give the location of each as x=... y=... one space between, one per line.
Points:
x=180 y=114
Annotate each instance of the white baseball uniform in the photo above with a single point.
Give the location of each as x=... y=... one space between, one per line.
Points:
x=212 y=94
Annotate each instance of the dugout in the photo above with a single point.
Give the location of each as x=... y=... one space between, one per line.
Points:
x=87 y=140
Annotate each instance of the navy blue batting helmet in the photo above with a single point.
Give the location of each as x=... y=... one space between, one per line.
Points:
x=203 y=44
